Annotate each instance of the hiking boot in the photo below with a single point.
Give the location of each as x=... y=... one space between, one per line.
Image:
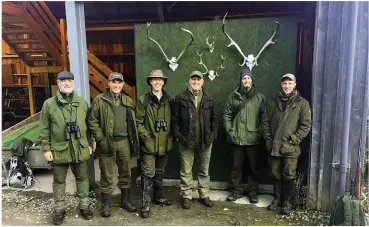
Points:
x=86 y=214
x=277 y=190
x=207 y=202
x=125 y=200
x=234 y=196
x=186 y=203
x=59 y=217
x=105 y=205
x=253 y=197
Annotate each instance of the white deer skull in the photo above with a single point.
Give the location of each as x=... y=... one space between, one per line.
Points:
x=250 y=60
x=211 y=45
x=211 y=73
x=173 y=60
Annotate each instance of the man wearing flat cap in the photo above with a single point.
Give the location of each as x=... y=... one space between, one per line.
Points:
x=286 y=121
x=195 y=126
x=242 y=120
x=113 y=124
x=65 y=142
x=153 y=113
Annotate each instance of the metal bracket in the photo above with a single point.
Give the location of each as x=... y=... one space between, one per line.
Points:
x=336 y=165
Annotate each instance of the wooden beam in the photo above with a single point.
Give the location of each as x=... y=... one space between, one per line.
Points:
x=23 y=41
x=12 y=9
x=49 y=13
x=98 y=80
x=159 y=7
x=30 y=10
x=98 y=64
x=28 y=50
x=94 y=92
x=63 y=40
x=12 y=20
x=32 y=106
x=52 y=26
x=116 y=28
x=12 y=46
x=17 y=31
x=46 y=69
x=42 y=37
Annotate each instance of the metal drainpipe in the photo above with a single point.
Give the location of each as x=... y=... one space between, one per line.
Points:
x=348 y=97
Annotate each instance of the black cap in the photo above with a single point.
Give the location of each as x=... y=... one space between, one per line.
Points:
x=64 y=75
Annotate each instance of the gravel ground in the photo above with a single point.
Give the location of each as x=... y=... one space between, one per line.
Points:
x=36 y=208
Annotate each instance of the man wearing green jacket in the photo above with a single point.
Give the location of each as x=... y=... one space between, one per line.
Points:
x=64 y=141
x=287 y=120
x=242 y=120
x=113 y=124
x=153 y=115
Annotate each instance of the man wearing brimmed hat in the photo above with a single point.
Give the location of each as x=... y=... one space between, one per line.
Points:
x=242 y=120
x=65 y=142
x=195 y=126
x=286 y=121
x=113 y=123
x=153 y=114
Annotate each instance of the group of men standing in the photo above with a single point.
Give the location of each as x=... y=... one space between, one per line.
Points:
x=149 y=130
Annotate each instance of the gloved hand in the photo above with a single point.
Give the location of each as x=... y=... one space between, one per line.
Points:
x=269 y=144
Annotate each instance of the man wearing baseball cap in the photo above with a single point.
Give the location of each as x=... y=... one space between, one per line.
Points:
x=286 y=121
x=113 y=123
x=65 y=142
x=242 y=120
x=153 y=115
x=195 y=126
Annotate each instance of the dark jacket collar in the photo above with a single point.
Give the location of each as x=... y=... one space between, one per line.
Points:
x=186 y=94
x=126 y=100
x=154 y=99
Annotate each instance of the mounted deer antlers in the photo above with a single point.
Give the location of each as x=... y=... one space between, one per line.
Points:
x=211 y=72
x=250 y=60
x=211 y=45
x=173 y=61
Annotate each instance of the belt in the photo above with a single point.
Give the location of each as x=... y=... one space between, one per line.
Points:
x=119 y=138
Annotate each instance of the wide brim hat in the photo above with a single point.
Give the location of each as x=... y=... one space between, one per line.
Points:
x=157 y=73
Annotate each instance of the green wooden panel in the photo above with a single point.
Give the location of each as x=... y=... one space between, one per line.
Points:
x=249 y=34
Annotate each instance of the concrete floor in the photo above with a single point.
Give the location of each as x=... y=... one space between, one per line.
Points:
x=44 y=179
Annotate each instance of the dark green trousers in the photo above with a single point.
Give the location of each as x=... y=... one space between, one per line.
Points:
x=151 y=163
x=282 y=167
x=60 y=174
x=120 y=155
x=244 y=155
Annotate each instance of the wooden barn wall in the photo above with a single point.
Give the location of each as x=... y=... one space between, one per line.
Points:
x=116 y=49
x=251 y=35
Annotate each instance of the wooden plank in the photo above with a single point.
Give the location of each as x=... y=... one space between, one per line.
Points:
x=97 y=79
x=9 y=20
x=46 y=19
x=12 y=47
x=93 y=92
x=12 y=9
x=63 y=40
x=7 y=77
x=17 y=31
x=49 y=14
x=28 y=50
x=42 y=37
x=117 y=28
x=98 y=64
x=47 y=31
x=46 y=69
x=23 y=41
x=30 y=92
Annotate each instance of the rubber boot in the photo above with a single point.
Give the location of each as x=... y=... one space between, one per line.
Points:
x=277 y=191
x=105 y=205
x=159 y=198
x=147 y=191
x=125 y=200
x=288 y=195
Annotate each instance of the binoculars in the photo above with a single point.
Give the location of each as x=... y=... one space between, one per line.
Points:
x=70 y=128
x=160 y=124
